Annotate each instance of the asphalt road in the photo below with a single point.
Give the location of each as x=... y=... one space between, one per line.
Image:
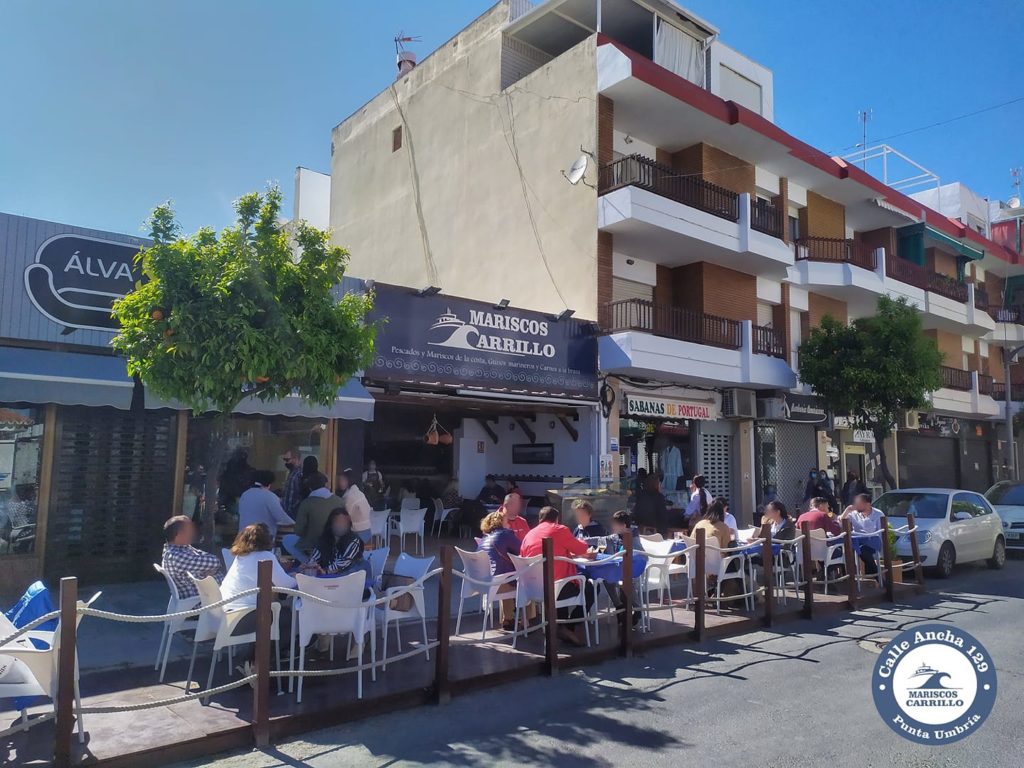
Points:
x=795 y=696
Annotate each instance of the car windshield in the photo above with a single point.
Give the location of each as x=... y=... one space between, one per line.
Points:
x=920 y=505
x=1006 y=493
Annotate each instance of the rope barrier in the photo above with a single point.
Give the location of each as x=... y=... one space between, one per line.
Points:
x=360 y=667
x=131 y=619
x=169 y=702
x=29 y=627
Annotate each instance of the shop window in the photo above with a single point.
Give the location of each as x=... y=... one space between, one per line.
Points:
x=21 y=443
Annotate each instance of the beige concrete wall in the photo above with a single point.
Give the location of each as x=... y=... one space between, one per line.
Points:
x=488 y=167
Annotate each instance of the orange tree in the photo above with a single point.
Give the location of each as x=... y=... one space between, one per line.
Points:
x=251 y=311
x=873 y=368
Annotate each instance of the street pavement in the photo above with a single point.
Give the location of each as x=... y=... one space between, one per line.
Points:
x=797 y=695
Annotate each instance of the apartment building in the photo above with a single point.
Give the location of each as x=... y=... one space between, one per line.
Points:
x=703 y=240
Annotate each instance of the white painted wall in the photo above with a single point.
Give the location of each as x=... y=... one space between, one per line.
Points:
x=312 y=198
x=475 y=199
x=722 y=56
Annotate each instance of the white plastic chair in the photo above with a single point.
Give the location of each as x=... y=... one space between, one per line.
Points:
x=34 y=670
x=716 y=563
x=347 y=615
x=410 y=523
x=413 y=503
x=440 y=517
x=477 y=566
x=660 y=570
x=529 y=576
x=227 y=557
x=650 y=537
x=379 y=526
x=175 y=604
x=377 y=558
x=411 y=568
x=827 y=550
x=219 y=625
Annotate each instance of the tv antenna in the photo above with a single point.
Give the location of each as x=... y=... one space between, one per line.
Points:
x=1017 y=174
x=864 y=115
x=401 y=38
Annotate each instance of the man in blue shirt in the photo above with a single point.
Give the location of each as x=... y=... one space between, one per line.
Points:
x=260 y=505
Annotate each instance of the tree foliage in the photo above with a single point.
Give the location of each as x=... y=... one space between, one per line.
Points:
x=873 y=368
x=220 y=317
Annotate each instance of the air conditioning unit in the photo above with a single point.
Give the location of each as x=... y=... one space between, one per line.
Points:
x=910 y=420
x=771 y=409
x=739 y=404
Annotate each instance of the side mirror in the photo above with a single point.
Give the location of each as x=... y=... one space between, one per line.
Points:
x=961 y=516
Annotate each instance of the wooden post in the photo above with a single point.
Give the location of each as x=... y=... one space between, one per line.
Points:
x=702 y=588
x=916 y=551
x=264 y=618
x=551 y=620
x=64 y=706
x=626 y=624
x=768 y=567
x=808 y=569
x=442 y=687
x=851 y=565
x=890 y=585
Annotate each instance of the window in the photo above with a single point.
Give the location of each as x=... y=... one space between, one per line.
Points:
x=396 y=139
x=966 y=506
x=1010 y=494
x=921 y=505
x=21 y=443
x=980 y=504
x=742 y=90
x=794 y=228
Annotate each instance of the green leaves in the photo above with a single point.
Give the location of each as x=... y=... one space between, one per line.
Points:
x=873 y=368
x=240 y=314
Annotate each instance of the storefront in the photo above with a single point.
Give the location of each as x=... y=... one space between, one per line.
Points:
x=465 y=389
x=789 y=442
x=86 y=481
x=949 y=452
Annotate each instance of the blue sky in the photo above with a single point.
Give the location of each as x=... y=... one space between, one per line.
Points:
x=112 y=106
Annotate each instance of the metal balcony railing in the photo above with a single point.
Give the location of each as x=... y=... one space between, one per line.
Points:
x=640 y=171
x=985 y=384
x=766 y=217
x=672 y=322
x=947 y=286
x=954 y=378
x=835 y=250
x=768 y=342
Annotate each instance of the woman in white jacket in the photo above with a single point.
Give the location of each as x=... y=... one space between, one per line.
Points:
x=356 y=504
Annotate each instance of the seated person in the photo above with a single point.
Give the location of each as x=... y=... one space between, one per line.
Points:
x=776 y=515
x=252 y=545
x=512 y=509
x=565 y=545
x=586 y=526
x=492 y=492
x=499 y=542
x=865 y=519
x=450 y=498
x=338 y=553
x=622 y=521
x=727 y=517
x=181 y=558
x=313 y=512
x=713 y=525
x=820 y=518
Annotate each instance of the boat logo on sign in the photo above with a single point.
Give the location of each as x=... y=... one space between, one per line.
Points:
x=488 y=332
x=75 y=280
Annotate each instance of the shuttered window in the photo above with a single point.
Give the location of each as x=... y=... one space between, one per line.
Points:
x=623 y=289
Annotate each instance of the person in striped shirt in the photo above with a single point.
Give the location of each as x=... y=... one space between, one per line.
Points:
x=339 y=551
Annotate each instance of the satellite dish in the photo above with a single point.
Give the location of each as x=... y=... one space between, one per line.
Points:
x=1013 y=202
x=579 y=168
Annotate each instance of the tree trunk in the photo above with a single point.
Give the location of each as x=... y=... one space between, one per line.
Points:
x=218 y=443
x=888 y=481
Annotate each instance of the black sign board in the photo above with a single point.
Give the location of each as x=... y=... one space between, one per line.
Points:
x=75 y=280
x=806 y=409
x=462 y=343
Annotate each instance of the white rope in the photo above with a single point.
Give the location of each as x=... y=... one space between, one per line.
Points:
x=30 y=626
x=130 y=619
x=387 y=597
x=168 y=702
x=360 y=667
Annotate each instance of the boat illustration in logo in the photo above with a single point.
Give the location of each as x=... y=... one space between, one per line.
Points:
x=935 y=678
x=453 y=332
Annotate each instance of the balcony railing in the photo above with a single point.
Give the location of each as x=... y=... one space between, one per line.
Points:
x=906 y=272
x=999 y=392
x=766 y=217
x=954 y=378
x=985 y=384
x=948 y=287
x=980 y=297
x=836 y=251
x=640 y=171
x=768 y=342
x=672 y=322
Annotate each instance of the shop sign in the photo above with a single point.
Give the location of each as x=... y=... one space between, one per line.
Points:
x=664 y=408
x=805 y=409
x=863 y=436
x=458 y=342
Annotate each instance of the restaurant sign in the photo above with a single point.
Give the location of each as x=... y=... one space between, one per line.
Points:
x=665 y=408
x=805 y=409
x=462 y=343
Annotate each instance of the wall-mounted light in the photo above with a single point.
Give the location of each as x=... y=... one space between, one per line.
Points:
x=430 y=290
x=565 y=314
x=503 y=304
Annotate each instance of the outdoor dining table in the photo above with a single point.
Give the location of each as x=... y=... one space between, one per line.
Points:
x=610 y=571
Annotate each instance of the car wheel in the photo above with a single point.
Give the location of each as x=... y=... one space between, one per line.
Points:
x=945 y=561
x=998 y=559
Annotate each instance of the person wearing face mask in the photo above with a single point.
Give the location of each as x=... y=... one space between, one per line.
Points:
x=293 y=483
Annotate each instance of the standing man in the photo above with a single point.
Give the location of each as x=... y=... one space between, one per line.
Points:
x=313 y=512
x=259 y=504
x=181 y=558
x=514 y=521
x=865 y=519
x=292 y=483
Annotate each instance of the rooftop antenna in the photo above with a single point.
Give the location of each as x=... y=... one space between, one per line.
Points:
x=1017 y=174
x=864 y=115
x=406 y=60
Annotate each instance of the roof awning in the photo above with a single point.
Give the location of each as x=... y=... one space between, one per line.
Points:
x=72 y=378
x=64 y=378
x=969 y=253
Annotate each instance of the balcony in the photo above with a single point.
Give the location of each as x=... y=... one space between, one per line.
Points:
x=954 y=378
x=1009 y=326
x=966 y=393
x=999 y=392
x=660 y=214
x=673 y=344
x=980 y=297
x=835 y=251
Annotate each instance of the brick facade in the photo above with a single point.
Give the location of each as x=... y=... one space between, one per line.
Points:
x=880 y=238
x=940 y=262
x=715 y=290
x=950 y=345
x=716 y=166
x=781 y=203
x=822 y=217
x=605 y=130
x=818 y=306
x=605 y=241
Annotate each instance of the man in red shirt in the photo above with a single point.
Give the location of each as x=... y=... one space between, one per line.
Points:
x=512 y=508
x=565 y=545
x=819 y=517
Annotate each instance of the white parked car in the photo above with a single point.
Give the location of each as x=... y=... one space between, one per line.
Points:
x=953 y=527
x=1008 y=499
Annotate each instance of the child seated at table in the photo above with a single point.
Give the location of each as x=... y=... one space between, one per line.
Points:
x=622 y=522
